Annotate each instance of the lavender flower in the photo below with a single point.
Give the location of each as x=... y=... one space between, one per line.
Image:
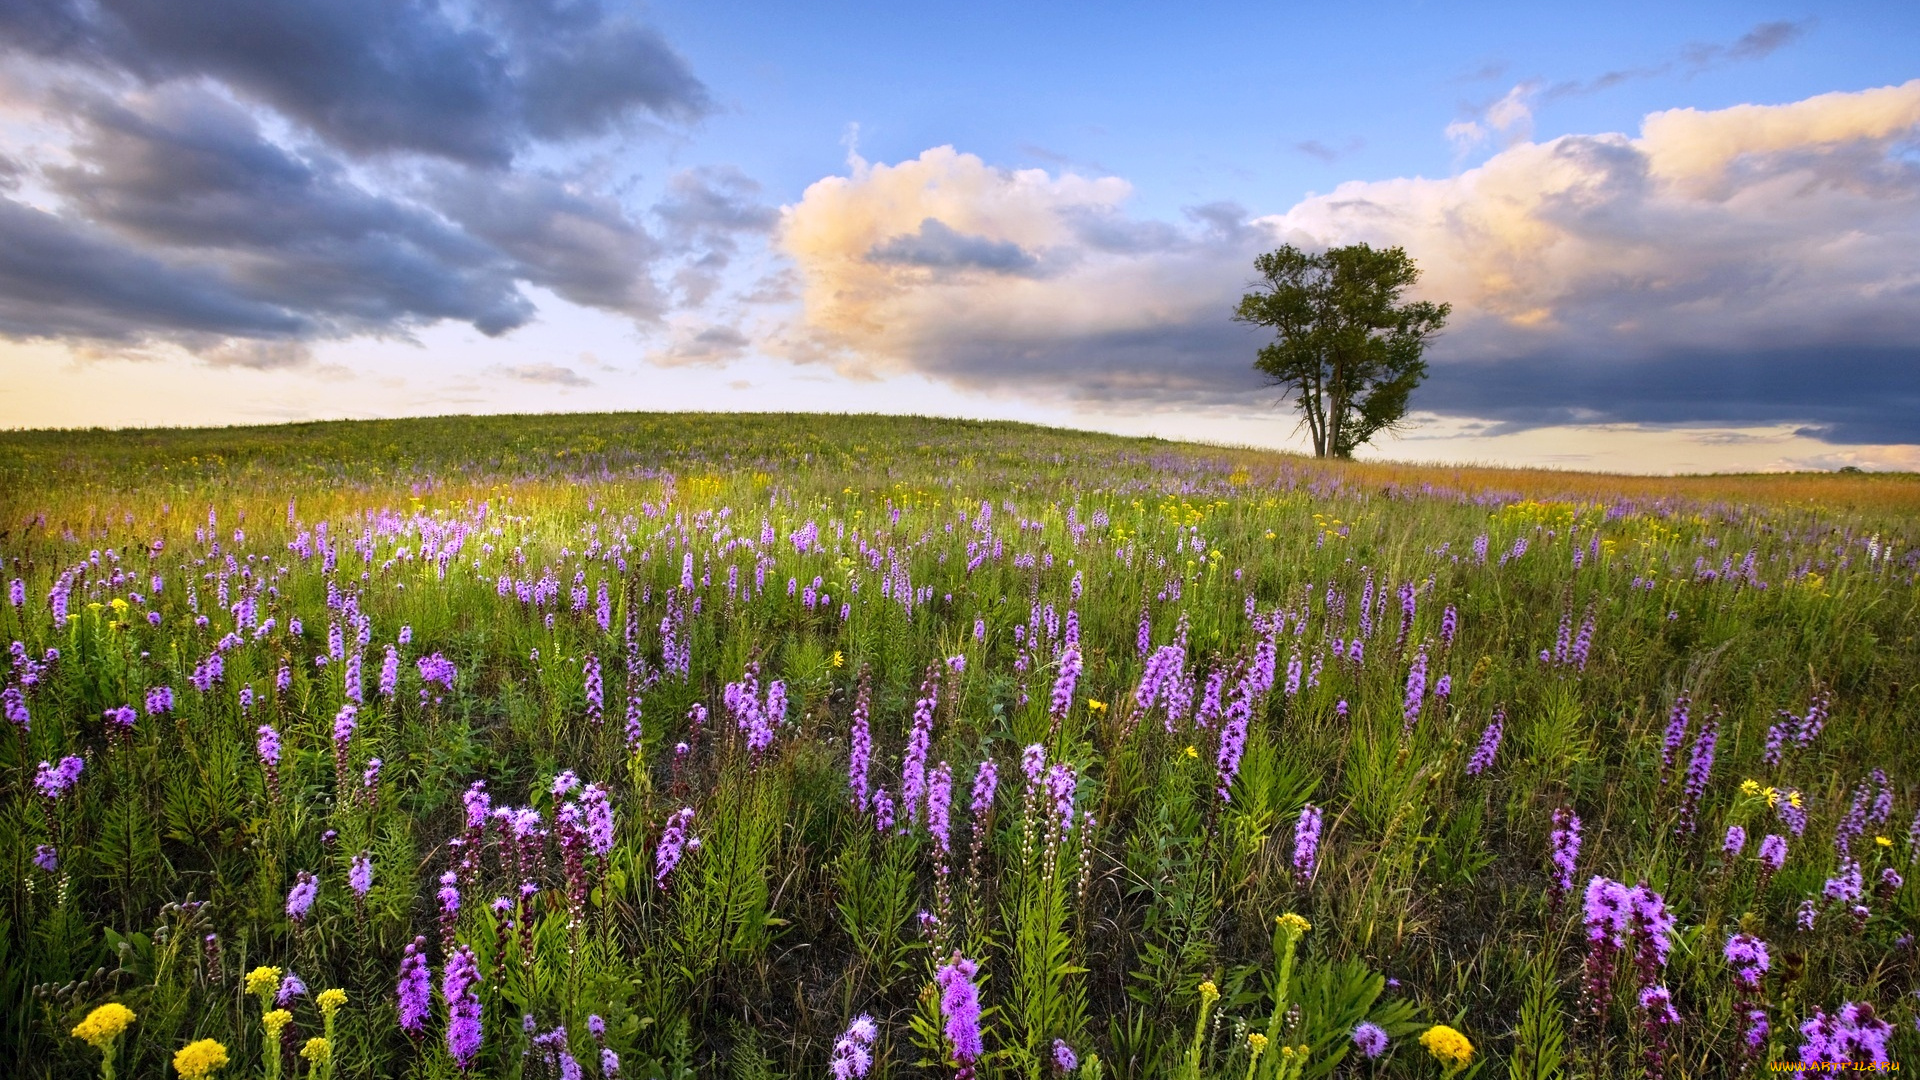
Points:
x=595 y=692
x=1773 y=853
x=940 y=805
x=860 y=743
x=1736 y=841
x=53 y=781
x=882 y=812
x=459 y=986
x=1747 y=956
x=390 y=672
x=300 y=898
x=674 y=842
x=1233 y=744
x=360 y=874
x=1489 y=748
x=1064 y=1059
x=913 y=761
x=1853 y=1034
x=985 y=781
x=1368 y=1037
x=1306 y=843
x=414 y=995
x=1416 y=691
x=853 y=1051
x=1699 y=769
x=960 y=1005
x=14 y=703
x=46 y=857
x=1565 y=846
x=121 y=719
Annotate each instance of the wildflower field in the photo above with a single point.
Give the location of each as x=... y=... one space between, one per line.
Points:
x=662 y=746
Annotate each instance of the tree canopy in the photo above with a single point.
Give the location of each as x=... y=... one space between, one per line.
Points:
x=1344 y=343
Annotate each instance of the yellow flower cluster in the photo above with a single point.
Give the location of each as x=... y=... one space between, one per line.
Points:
x=198 y=1060
x=318 y=1050
x=263 y=980
x=330 y=1001
x=1209 y=993
x=1293 y=922
x=275 y=1022
x=104 y=1024
x=1448 y=1046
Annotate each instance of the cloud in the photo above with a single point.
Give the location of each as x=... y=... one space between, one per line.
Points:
x=701 y=346
x=1755 y=265
x=545 y=374
x=277 y=172
x=475 y=86
x=1314 y=148
x=936 y=246
x=1758 y=43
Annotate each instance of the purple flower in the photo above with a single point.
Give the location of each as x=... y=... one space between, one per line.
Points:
x=1736 y=841
x=673 y=844
x=1489 y=748
x=595 y=692
x=360 y=874
x=390 y=672
x=913 y=761
x=436 y=669
x=459 y=986
x=1416 y=691
x=300 y=898
x=1233 y=743
x=159 y=700
x=1062 y=783
x=14 y=702
x=940 y=805
x=860 y=743
x=1564 y=843
x=1064 y=1059
x=1853 y=1034
x=1773 y=852
x=53 y=780
x=985 y=781
x=853 y=1051
x=1306 y=843
x=1747 y=956
x=291 y=986
x=1066 y=681
x=960 y=1005
x=121 y=718
x=564 y=784
x=1370 y=1038
x=1699 y=769
x=46 y=857
x=1677 y=721
x=882 y=811
x=597 y=810
x=1806 y=915
x=415 y=992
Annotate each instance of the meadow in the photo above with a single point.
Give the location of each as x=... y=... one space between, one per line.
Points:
x=750 y=746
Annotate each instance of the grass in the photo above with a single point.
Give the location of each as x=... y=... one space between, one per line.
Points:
x=1212 y=649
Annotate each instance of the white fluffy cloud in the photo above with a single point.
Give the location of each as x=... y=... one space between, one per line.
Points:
x=1757 y=264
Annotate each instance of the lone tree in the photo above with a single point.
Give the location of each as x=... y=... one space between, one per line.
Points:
x=1343 y=342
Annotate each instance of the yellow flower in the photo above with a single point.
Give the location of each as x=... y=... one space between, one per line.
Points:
x=1096 y=706
x=1257 y=1042
x=1883 y=841
x=1793 y=799
x=104 y=1024
x=1192 y=753
x=330 y=1001
x=198 y=1060
x=1448 y=1047
x=275 y=1022
x=318 y=1050
x=1750 y=787
x=1209 y=993
x=263 y=980
x=838 y=659
x=1293 y=922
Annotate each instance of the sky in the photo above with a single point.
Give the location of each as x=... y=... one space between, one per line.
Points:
x=1676 y=238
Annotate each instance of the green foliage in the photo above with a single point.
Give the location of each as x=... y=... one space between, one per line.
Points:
x=790 y=912
x=1343 y=343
